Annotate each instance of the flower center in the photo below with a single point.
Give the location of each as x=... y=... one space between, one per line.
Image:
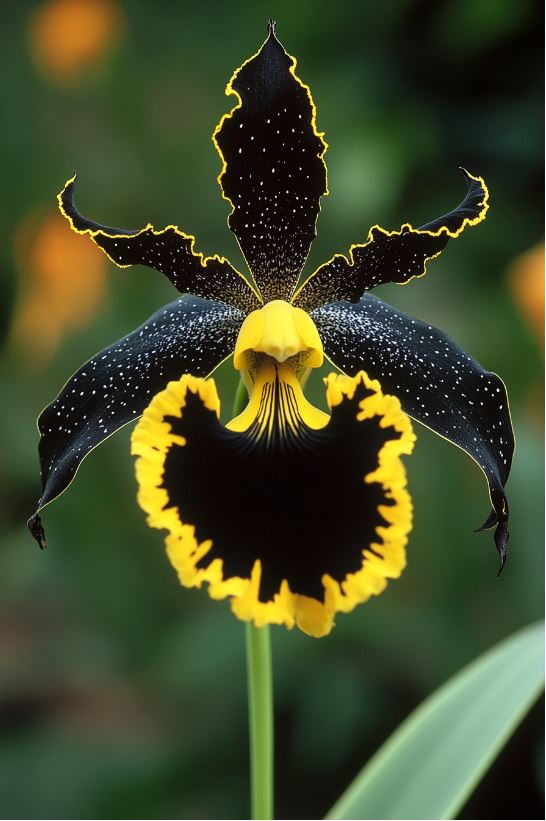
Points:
x=282 y=332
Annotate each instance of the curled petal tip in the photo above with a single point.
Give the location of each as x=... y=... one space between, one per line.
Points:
x=501 y=534
x=501 y=541
x=490 y=522
x=35 y=526
x=502 y=559
x=271 y=26
x=67 y=192
x=466 y=174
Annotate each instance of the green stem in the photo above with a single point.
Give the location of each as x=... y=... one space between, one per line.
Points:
x=260 y=711
x=260 y=696
x=241 y=398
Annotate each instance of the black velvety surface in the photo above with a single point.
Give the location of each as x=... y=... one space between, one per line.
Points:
x=308 y=487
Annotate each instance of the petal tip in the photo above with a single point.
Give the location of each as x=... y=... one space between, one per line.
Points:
x=500 y=522
x=70 y=184
x=66 y=196
x=501 y=540
x=36 y=529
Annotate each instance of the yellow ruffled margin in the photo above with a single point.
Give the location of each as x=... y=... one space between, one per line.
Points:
x=372 y=578
x=152 y=439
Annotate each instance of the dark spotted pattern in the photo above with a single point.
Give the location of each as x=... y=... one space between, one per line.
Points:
x=169 y=251
x=190 y=335
x=437 y=383
x=274 y=175
x=391 y=257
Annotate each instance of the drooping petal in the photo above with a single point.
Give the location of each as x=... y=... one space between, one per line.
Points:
x=167 y=250
x=292 y=514
x=391 y=256
x=273 y=171
x=438 y=384
x=113 y=388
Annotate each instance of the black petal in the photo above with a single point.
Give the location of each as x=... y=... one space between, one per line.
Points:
x=273 y=173
x=169 y=251
x=437 y=383
x=391 y=256
x=113 y=388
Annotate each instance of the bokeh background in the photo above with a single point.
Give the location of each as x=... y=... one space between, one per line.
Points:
x=121 y=694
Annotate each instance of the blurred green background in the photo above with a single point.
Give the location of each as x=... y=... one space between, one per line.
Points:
x=121 y=694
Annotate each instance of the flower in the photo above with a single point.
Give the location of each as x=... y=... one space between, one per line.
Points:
x=292 y=513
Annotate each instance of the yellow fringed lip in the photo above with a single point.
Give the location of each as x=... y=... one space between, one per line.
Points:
x=292 y=514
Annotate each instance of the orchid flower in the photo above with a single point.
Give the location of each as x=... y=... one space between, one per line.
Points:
x=292 y=513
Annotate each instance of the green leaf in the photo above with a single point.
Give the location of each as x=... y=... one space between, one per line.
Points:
x=430 y=765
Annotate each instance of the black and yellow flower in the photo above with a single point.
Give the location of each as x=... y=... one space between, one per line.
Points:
x=293 y=513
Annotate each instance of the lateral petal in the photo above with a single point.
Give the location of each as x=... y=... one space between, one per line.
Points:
x=391 y=256
x=167 y=250
x=115 y=386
